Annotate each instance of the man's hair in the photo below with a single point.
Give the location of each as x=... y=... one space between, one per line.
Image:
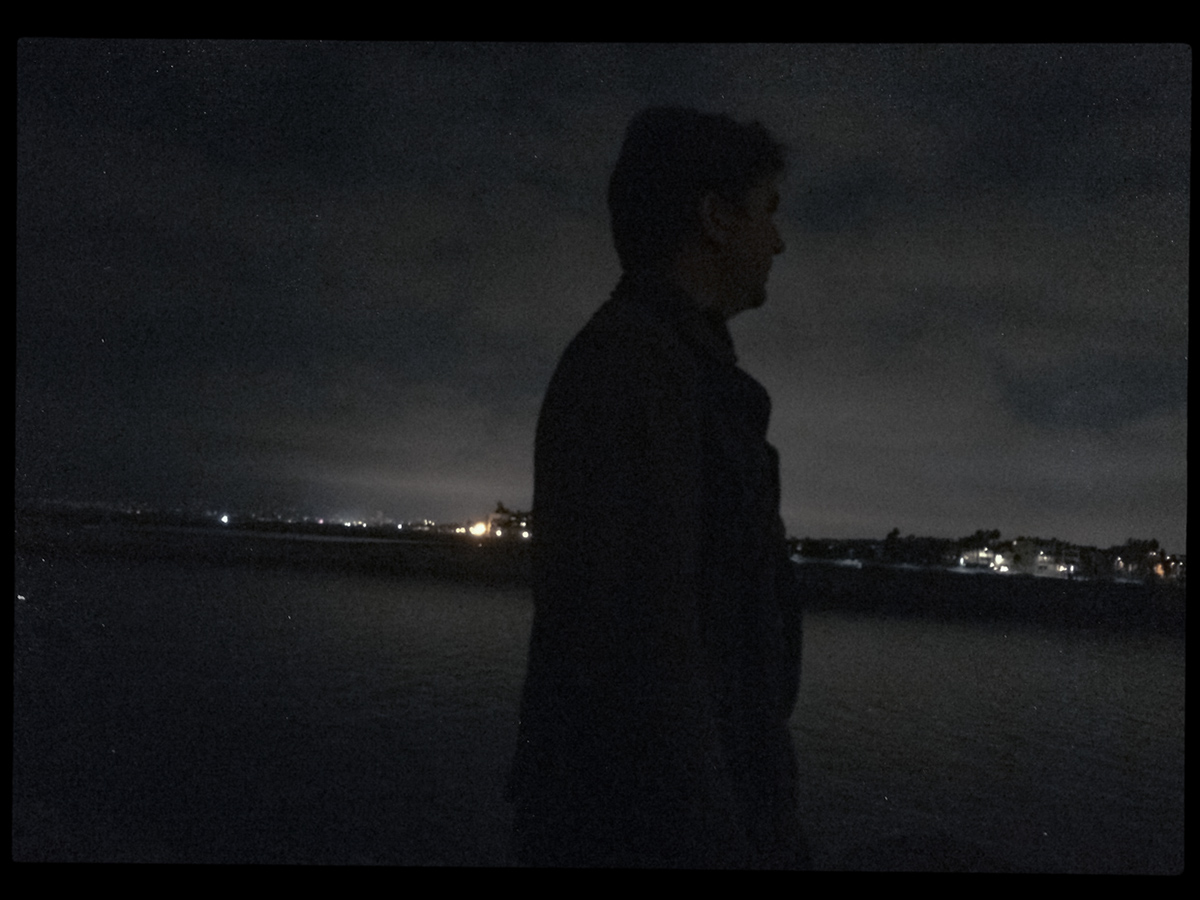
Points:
x=672 y=157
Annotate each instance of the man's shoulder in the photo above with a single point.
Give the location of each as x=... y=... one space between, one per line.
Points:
x=624 y=365
x=625 y=335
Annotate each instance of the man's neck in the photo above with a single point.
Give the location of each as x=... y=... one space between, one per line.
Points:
x=693 y=274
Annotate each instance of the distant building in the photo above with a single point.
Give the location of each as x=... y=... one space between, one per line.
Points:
x=1045 y=559
x=1038 y=557
x=505 y=522
x=981 y=558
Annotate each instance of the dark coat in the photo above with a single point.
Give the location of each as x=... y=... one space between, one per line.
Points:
x=665 y=651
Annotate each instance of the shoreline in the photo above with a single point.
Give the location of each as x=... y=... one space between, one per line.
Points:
x=826 y=585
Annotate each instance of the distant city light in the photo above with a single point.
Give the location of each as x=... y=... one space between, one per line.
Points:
x=225 y=520
x=479 y=529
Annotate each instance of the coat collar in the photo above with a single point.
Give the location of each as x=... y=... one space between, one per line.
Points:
x=676 y=309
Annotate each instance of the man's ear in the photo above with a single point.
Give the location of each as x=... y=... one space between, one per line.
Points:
x=716 y=218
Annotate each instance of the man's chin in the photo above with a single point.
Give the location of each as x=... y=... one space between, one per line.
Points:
x=756 y=299
x=749 y=302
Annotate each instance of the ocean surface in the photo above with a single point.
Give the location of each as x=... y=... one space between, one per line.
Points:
x=170 y=711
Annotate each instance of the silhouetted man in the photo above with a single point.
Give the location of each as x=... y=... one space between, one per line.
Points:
x=665 y=652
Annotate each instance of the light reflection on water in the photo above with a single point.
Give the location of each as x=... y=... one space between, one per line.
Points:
x=233 y=714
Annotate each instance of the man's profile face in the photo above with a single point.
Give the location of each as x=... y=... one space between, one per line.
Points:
x=753 y=243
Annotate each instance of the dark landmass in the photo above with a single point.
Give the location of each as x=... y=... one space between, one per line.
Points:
x=300 y=545
x=865 y=588
x=950 y=595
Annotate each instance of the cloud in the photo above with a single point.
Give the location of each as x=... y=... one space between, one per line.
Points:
x=1104 y=392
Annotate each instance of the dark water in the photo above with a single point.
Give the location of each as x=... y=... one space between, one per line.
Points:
x=1054 y=751
x=185 y=713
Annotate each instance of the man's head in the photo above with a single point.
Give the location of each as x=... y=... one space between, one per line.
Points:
x=671 y=161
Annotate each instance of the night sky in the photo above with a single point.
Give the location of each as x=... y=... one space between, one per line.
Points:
x=334 y=278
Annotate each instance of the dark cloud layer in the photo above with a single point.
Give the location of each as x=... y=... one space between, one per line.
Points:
x=1098 y=393
x=336 y=276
